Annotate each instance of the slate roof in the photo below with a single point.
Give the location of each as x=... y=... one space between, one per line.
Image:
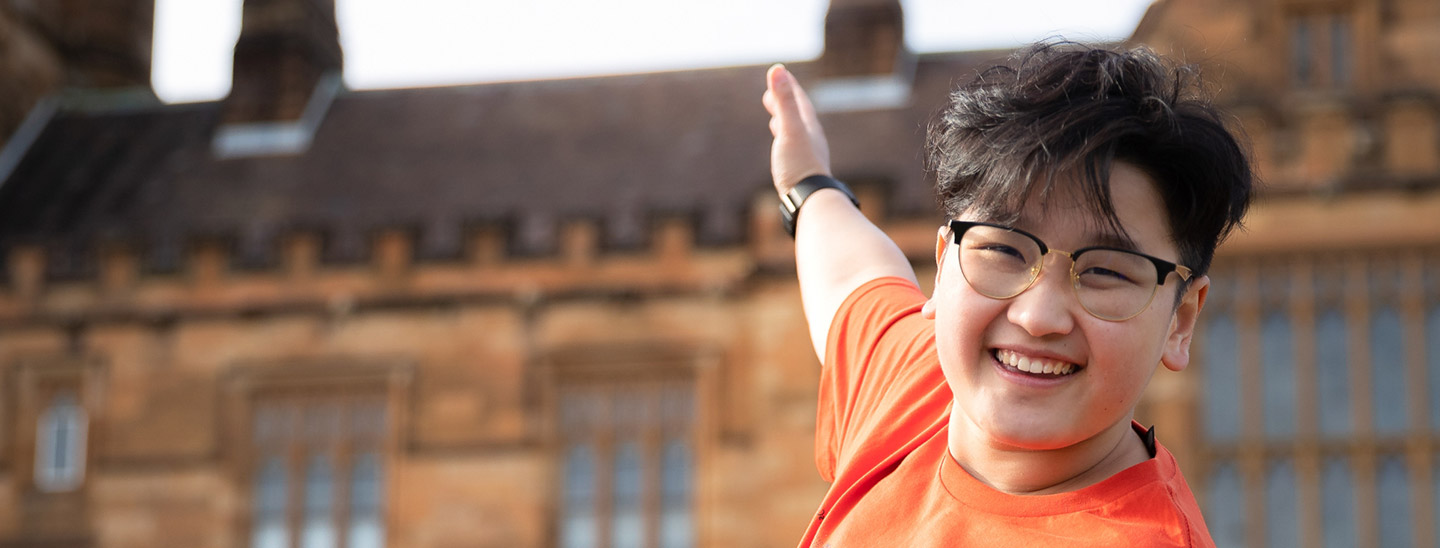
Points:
x=529 y=155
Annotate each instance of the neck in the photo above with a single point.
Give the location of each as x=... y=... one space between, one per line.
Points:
x=1021 y=471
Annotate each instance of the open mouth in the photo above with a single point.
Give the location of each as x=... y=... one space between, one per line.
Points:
x=1033 y=365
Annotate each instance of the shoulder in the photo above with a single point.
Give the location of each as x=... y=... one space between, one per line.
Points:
x=875 y=310
x=1162 y=501
x=1182 y=500
x=880 y=386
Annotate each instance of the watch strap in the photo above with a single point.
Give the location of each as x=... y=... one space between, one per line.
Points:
x=791 y=201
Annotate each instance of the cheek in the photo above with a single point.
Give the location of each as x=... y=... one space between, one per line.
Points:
x=961 y=320
x=1132 y=352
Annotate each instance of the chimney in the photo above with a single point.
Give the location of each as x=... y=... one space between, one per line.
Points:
x=101 y=43
x=865 y=65
x=47 y=46
x=863 y=38
x=285 y=50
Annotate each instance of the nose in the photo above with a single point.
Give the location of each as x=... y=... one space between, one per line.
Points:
x=1048 y=307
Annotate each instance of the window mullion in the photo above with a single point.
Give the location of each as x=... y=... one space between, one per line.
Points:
x=294 y=454
x=342 y=457
x=1252 y=450
x=1418 y=449
x=1362 y=449
x=605 y=447
x=1307 y=440
x=653 y=464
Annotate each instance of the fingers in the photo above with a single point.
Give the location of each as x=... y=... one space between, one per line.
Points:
x=785 y=96
x=799 y=149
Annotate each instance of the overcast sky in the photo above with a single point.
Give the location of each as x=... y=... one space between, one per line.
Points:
x=394 y=43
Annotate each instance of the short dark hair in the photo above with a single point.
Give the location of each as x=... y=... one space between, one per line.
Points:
x=1064 y=109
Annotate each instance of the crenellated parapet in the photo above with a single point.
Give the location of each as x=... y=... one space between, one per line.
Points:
x=123 y=279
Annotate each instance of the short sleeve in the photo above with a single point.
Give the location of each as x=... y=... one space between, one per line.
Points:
x=880 y=380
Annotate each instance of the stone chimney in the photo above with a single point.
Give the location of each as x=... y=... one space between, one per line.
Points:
x=100 y=43
x=863 y=38
x=865 y=64
x=285 y=50
x=47 y=46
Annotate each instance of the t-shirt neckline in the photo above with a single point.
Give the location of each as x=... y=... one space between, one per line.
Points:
x=967 y=490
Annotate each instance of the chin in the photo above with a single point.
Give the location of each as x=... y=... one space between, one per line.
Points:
x=1040 y=432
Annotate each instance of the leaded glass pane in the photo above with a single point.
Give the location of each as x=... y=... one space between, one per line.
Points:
x=1432 y=354
x=1387 y=361
x=627 y=529
x=1225 y=507
x=319 y=528
x=367 y=528
x=1222 y=379
x=60 y=444
x=1282 y=521
x=676 y=530
x=1337 y=503
x=1339 y=50
x=1332 y=370
x=268 y=506
x=1301 y=58
x=577 y=524
x=1394 y=497
x=1277 y=356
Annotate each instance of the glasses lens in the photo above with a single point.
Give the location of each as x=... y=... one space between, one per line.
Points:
x=998 y=263
x=1114 y=284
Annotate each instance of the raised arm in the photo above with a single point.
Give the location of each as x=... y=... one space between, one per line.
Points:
x=836 y=248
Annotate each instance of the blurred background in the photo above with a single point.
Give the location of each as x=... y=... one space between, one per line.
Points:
x=361 y=274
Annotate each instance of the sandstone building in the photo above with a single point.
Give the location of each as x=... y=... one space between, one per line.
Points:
x=563 y=313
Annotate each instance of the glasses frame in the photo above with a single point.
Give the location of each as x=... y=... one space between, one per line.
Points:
x=1163 y=268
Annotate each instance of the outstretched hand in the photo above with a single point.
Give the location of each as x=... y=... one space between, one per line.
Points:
x=799 y=149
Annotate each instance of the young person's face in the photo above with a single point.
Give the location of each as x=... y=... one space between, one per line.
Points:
x=979 y=339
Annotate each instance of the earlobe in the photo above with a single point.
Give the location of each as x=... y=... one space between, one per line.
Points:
x=1182 y=325
x=928 y=311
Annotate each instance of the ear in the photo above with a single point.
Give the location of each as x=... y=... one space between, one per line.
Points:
x=1182 y=325
x=928 y=311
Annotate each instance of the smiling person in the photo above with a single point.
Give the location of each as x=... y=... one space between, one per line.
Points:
x=1086 y=191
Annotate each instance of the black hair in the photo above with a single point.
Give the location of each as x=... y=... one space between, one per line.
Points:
x=1066 y=110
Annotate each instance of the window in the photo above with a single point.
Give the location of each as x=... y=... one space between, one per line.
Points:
x=626 y=459
x=1322 y=380
x=1321 y=49
x=60 y=444
x=317 y=471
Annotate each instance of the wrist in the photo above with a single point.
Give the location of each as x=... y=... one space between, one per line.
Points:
x=794 y=198
x=784 y=183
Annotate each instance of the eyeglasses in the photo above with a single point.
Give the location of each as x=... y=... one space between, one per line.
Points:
x=1112 y=284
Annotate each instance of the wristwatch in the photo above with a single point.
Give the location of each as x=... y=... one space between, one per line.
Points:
x=791 y=201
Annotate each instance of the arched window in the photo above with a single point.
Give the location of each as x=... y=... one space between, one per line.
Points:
x=626 y=457
x=318 y=471
x=60 y=444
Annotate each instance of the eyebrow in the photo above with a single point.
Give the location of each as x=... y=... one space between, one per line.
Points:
x=1105 y=237
x=1117 y=241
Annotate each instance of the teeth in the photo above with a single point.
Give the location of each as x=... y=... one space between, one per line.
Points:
x=1037 y=366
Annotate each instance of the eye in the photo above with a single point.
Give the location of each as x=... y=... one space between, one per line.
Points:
x=998 y=250
x=1110 y=276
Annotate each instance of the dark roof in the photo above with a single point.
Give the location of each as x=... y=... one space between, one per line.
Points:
x=529 y=155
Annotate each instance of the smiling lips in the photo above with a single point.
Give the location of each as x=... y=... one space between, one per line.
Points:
x=1033 y=365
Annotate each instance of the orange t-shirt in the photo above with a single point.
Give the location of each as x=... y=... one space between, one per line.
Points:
x=881 y=439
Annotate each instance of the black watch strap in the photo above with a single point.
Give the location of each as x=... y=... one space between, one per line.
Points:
x=790 y=203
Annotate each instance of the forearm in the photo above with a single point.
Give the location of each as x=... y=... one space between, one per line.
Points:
x=836 y=251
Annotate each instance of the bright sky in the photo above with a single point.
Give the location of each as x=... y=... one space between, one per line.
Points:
x=390 y=43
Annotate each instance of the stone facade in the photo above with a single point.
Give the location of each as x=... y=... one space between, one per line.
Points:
x=461 y=257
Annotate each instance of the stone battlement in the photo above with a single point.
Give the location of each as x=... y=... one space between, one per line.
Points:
x=120 y=279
